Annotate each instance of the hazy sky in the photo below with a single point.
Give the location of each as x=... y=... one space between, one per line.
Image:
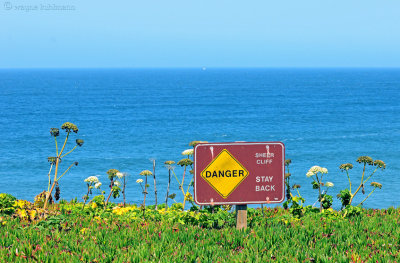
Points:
x=196 y=33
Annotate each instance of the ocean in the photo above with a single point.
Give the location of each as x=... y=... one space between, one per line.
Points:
x=128 y=117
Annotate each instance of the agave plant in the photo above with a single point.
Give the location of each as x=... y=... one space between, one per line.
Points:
x=56 y=160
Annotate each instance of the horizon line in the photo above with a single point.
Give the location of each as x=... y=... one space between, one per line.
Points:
x=211 y=67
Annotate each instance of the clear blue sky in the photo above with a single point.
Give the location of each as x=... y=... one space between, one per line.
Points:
x=196 y=33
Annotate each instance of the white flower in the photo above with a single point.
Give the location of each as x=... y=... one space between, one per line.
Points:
x=92 y=179
x=97 y=185
x=329 y=184
x=309 y=174
x=139 y=181
x=116 y=183
x=119 y=175
x=315 y=169
x=188 y=152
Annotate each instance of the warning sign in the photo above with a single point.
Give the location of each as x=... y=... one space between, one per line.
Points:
x=224 y=173
x=239 y=173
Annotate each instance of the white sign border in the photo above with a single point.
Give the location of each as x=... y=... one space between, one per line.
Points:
x=241 y=143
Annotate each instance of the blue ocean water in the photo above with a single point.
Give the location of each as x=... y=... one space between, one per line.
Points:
x=324 y=117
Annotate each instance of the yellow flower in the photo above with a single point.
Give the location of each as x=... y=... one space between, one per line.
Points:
x=22 y=204
x=376 y=184
x=32 y=214
x=84 y=230
x=117 y=210
x=146 y=173
x=122 y=210
x=94 y=206
x=22 y=214
x=162 y=211
x=188 y=197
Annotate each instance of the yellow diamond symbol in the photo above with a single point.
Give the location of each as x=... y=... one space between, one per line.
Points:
x=224 y=173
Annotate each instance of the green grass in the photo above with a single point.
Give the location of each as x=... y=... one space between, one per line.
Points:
x=96 y=236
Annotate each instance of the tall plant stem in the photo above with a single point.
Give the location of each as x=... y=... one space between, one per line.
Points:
x=109 y=195
x=65 y=172
x=359 y=187
x=155 y=186
x=180 y=186
x=55 y=139
x=367 y=197
x=348 y=177
x=48 y=175
x=319 y=190
x=288 y=180
x=169 y=182
x=87 y=195
x=123 y=191
x=65 y=143
x=183 y=191
x=145 y=193
x=55 y=173
x=69 y=151
x=184 y=196
x=366 y=180
x=52 y=186
x=108 y=198
x=183 y=177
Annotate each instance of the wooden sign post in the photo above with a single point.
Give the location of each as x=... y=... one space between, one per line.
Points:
x=239 y=173
x=241 y=216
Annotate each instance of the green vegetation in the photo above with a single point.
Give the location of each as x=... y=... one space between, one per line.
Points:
x=97 y=230
x=346 y=196
x=324 y=199
x=125 y=234
x=55 y=161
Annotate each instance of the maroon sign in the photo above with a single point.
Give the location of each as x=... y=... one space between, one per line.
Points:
x=239 y=173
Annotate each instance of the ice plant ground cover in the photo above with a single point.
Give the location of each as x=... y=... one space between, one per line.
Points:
x=127 y=234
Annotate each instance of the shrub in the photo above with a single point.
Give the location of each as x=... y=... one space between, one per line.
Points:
x=7 y=202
